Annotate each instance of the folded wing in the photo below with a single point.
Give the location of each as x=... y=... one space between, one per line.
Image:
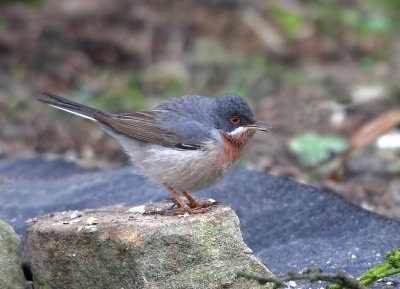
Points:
x=162 y=127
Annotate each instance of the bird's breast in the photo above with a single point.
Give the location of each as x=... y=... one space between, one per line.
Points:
x=234 y=144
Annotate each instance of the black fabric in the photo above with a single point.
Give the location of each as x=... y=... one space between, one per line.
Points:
x=288 y=225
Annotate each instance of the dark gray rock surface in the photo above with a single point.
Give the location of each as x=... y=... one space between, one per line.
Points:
x=289 y=225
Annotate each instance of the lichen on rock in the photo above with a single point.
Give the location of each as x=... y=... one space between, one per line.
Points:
x=11 y=275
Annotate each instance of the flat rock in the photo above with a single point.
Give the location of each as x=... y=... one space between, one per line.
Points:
x=11 y=275
x=288 y=225
x=115 y=248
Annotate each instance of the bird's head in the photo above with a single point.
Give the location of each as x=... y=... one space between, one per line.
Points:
x=233 y=116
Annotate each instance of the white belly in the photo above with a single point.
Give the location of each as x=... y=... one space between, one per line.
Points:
x=190 y=170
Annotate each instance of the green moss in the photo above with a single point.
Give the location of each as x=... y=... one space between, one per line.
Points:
x=382 y=270
x=42 y=282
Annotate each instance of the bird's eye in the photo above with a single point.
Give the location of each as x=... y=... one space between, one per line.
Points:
x=234 y=119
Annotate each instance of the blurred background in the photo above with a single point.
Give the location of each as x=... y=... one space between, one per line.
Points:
x=324 y=74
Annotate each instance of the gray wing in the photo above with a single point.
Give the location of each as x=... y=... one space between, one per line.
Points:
x=162 y=127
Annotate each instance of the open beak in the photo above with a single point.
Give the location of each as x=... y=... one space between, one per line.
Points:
x=259 y=126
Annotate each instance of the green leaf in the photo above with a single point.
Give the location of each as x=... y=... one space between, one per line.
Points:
x=289 y=21
x=312 y=149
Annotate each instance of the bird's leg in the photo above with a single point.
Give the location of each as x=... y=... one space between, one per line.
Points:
x=179 y=199
x=192 y=201
x=194 y=204
x=197 y=209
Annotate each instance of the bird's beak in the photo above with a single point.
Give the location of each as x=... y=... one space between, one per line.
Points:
x=259 y=126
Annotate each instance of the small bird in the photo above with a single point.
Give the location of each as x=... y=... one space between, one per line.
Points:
x=184 y=144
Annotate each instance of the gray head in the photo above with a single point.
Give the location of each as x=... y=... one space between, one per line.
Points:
x=232 y=112
x=226 y=112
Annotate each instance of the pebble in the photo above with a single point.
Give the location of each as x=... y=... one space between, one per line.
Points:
x=90 y=229
x=138 y=209
x=92 y=221
x=31 y=220
x=75 y=214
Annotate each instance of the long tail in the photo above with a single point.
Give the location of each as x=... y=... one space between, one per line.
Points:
x=72 y=107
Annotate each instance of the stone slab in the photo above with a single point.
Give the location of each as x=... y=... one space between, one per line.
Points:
x=121 y=249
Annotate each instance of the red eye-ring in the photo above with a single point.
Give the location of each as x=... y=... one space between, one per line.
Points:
x=234 y=119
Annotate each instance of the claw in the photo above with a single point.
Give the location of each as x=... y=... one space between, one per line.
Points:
x=193 y=207
x=191 y=211
x=206 y=205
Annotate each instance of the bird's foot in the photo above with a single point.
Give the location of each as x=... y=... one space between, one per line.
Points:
x=196 y=205
x=193 y=204
x=193 y=207
x=191 y=211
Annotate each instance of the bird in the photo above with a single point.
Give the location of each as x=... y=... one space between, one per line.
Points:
x=187 y=143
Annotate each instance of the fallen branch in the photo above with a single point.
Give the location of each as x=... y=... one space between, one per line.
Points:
x=364 y=135
x=312 y=275
x=342 y=280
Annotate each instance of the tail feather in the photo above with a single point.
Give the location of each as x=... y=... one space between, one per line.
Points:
x=72 y=107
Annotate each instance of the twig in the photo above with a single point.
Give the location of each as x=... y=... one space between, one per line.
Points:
x=342 y=280
x=312 y=275
x=367 y=133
